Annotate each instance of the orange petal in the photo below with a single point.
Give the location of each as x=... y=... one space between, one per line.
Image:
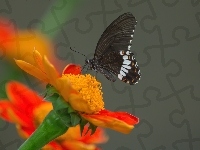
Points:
x=22 y=97
x=10 y=113
x=73 y=133
x=119 y=121
x=40 y=112
x=25 y=132
x=50 y=70
x=77 y=102
x=6 y=30
x=20 y=118
x=38 y=60
x=27 y=40
x=77 y=145
x=97 y=138
x=32 y=70
x=73 y=69
x=5 y=105
x=53 y=146
x=63 y=86
x=24 y=101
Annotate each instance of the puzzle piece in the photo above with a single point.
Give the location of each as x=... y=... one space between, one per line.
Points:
x=184 y=116
x=180 y=20
x=5 y=7
x=3 y=125
x=14 y=141
x=10 y=145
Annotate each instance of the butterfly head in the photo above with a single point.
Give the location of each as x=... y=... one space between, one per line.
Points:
x=91 y=64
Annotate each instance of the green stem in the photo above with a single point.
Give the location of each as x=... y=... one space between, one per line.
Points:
x=50 y=128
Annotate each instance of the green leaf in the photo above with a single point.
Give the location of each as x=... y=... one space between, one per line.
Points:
x=82 y=124
x=75 y=119
x=93 y=128
x=50 y=90
x=64 y=116
x=53 y=98
x=58 y=102
x=70 y=109
x=63 y=109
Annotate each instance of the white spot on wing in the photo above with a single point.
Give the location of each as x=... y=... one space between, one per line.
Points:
x=136 y=64
x=127 y=62
x=131 y=35
x=129 y=47
x=122 y=73
x=130 y=41
x=125 y=57
x=124 y=70
x=126 y=66
x=120 y=76
x=121 y=53
x=127 y=52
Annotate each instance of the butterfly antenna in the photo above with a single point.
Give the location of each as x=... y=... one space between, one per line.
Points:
x=82 y=55
x=77 y=52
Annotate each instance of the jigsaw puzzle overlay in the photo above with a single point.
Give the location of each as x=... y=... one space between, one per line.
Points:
x=166 y=46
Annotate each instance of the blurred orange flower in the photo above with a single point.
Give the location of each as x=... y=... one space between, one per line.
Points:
x=27 y=110
x=17 y=43
x=83 y=92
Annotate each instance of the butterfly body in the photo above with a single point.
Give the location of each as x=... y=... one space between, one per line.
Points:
x=112 y=55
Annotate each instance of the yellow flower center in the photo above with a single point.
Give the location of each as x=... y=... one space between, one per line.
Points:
x=89 y=88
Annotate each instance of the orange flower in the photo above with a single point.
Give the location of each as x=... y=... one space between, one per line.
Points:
x=83 y=92
x=27 y=110
x=16 y=43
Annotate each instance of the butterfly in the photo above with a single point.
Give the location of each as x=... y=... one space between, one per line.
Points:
x=112 y=56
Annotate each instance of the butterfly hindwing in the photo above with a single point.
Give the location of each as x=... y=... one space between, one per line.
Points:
x=122 y=64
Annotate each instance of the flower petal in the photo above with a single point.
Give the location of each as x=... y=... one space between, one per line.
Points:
x=22 y=97
x=25 y=132
x=96 y=138
x=73 y=133
x=5 y=105
x=77 y=145
x=9 y=113
x=77 y=102
x=119 y=121
x=63 y=86
x=50 y=71
x=53 y=146
x=72 y=68
x=40 y=112
x=32 y=70
x=38 y=60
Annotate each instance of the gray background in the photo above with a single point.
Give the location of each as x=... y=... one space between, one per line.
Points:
x=166 y=44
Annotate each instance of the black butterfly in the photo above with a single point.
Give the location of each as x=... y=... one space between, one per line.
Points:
x=112 y=55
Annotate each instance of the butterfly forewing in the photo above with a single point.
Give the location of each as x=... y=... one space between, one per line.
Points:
x=121 y=28
x=113 y=56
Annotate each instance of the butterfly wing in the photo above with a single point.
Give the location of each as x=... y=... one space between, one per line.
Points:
x=122 y=26
x=113 y=49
